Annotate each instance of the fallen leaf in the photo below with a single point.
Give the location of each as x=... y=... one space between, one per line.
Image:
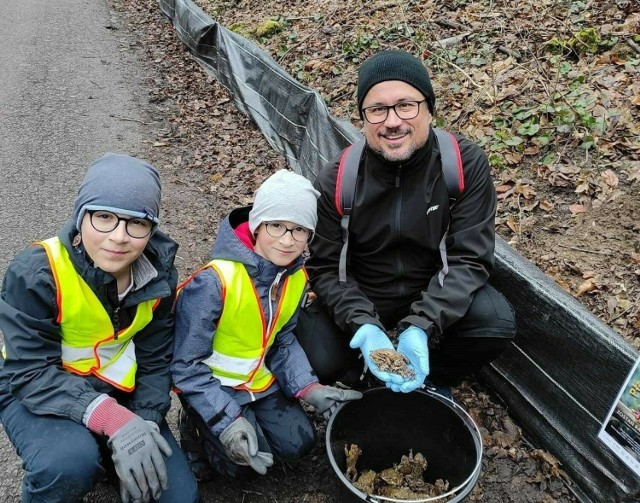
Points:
x=546 y=205
x=503 y=188
x=587 y=286
x=576 y=209
x=569 y=169
x=611 y=178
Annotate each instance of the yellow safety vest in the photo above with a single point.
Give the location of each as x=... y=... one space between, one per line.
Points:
x=89 y=344
x=244 y=334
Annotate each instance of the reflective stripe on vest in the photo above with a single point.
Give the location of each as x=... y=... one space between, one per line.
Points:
x=243 y=334
x=89 y=345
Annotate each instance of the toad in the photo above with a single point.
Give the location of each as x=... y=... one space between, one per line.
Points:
x=389 y=360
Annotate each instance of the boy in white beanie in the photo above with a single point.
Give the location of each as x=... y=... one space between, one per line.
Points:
x=237 y=363
x=88 y=332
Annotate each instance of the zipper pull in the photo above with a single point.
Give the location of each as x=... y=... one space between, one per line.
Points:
x=274 y=286
x=397 y=178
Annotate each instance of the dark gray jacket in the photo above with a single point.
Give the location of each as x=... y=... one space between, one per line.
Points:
x=32 y=372
x=198 y=309
x=400 y=214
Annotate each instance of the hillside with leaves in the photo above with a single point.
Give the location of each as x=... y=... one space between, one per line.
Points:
x=550 y=89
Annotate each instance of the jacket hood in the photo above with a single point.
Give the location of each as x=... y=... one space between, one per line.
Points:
x=228 y=246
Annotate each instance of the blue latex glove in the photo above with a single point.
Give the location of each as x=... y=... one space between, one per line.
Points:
x=368 y=338
x=413 y=344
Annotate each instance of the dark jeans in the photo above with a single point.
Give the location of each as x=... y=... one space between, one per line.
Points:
x=63 y=460
x=466 y=346
x=282 y=427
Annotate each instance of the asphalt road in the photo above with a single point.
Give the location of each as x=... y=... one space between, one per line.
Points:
x=70 y=90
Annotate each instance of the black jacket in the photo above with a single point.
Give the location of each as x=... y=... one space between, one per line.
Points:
x=400 y=214
x=32 y=372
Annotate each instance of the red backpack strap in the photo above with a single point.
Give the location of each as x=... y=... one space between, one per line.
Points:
x=451 y=163
x=453 y=174
x=345 y=191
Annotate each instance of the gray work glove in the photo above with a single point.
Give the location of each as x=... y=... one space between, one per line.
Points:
x=125 y=496
x=241 y=445
x=137 y=457
x=137 y=450
x=325 y=399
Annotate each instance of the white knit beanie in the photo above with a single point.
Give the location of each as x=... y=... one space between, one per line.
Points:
x=285 y=196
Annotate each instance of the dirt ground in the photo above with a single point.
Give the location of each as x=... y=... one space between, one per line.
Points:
x=574 y=217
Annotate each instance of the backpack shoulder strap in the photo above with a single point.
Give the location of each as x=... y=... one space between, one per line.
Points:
x=451 y=163
x=347 y=175
x=345 y=192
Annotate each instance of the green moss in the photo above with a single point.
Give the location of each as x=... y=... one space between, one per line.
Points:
x=582 y=42
x=268 y=28
x=240 y=29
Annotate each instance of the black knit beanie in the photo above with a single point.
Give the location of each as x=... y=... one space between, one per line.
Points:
x=394 y=65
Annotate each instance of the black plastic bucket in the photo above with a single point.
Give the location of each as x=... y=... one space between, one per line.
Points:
x=387 y=425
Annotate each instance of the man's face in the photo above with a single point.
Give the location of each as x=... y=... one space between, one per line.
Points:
x=396 y=139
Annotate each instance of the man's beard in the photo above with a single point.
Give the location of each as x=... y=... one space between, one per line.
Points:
x=401 y=156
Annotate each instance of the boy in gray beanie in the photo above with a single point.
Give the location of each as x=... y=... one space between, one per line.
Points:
x=88 y=331
x=239 y=368
x=285 y=196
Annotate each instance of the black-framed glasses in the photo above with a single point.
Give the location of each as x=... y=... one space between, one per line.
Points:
x=298 y=233
x=405 y=110
x=107 y=221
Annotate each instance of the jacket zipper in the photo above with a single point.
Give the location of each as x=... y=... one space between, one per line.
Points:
x=116 y=323
x=273 y=293
x=398 y=217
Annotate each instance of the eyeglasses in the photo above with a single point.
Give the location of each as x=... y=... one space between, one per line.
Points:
x=277 y=230
x=106 y=221
x=405 y=110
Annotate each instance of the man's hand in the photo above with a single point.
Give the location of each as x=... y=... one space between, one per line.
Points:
x=241 y=445
x=413 y=344
x=368 y=338
x=325 y=399
x=137 y=448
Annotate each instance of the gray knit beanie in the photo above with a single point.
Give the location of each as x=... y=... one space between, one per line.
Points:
x=394 y=65
x=121 y=184
x=285 y=196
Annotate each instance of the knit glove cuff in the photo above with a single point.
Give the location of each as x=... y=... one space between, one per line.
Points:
x=108 y=417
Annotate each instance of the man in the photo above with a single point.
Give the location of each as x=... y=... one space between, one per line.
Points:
x=450 y=321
